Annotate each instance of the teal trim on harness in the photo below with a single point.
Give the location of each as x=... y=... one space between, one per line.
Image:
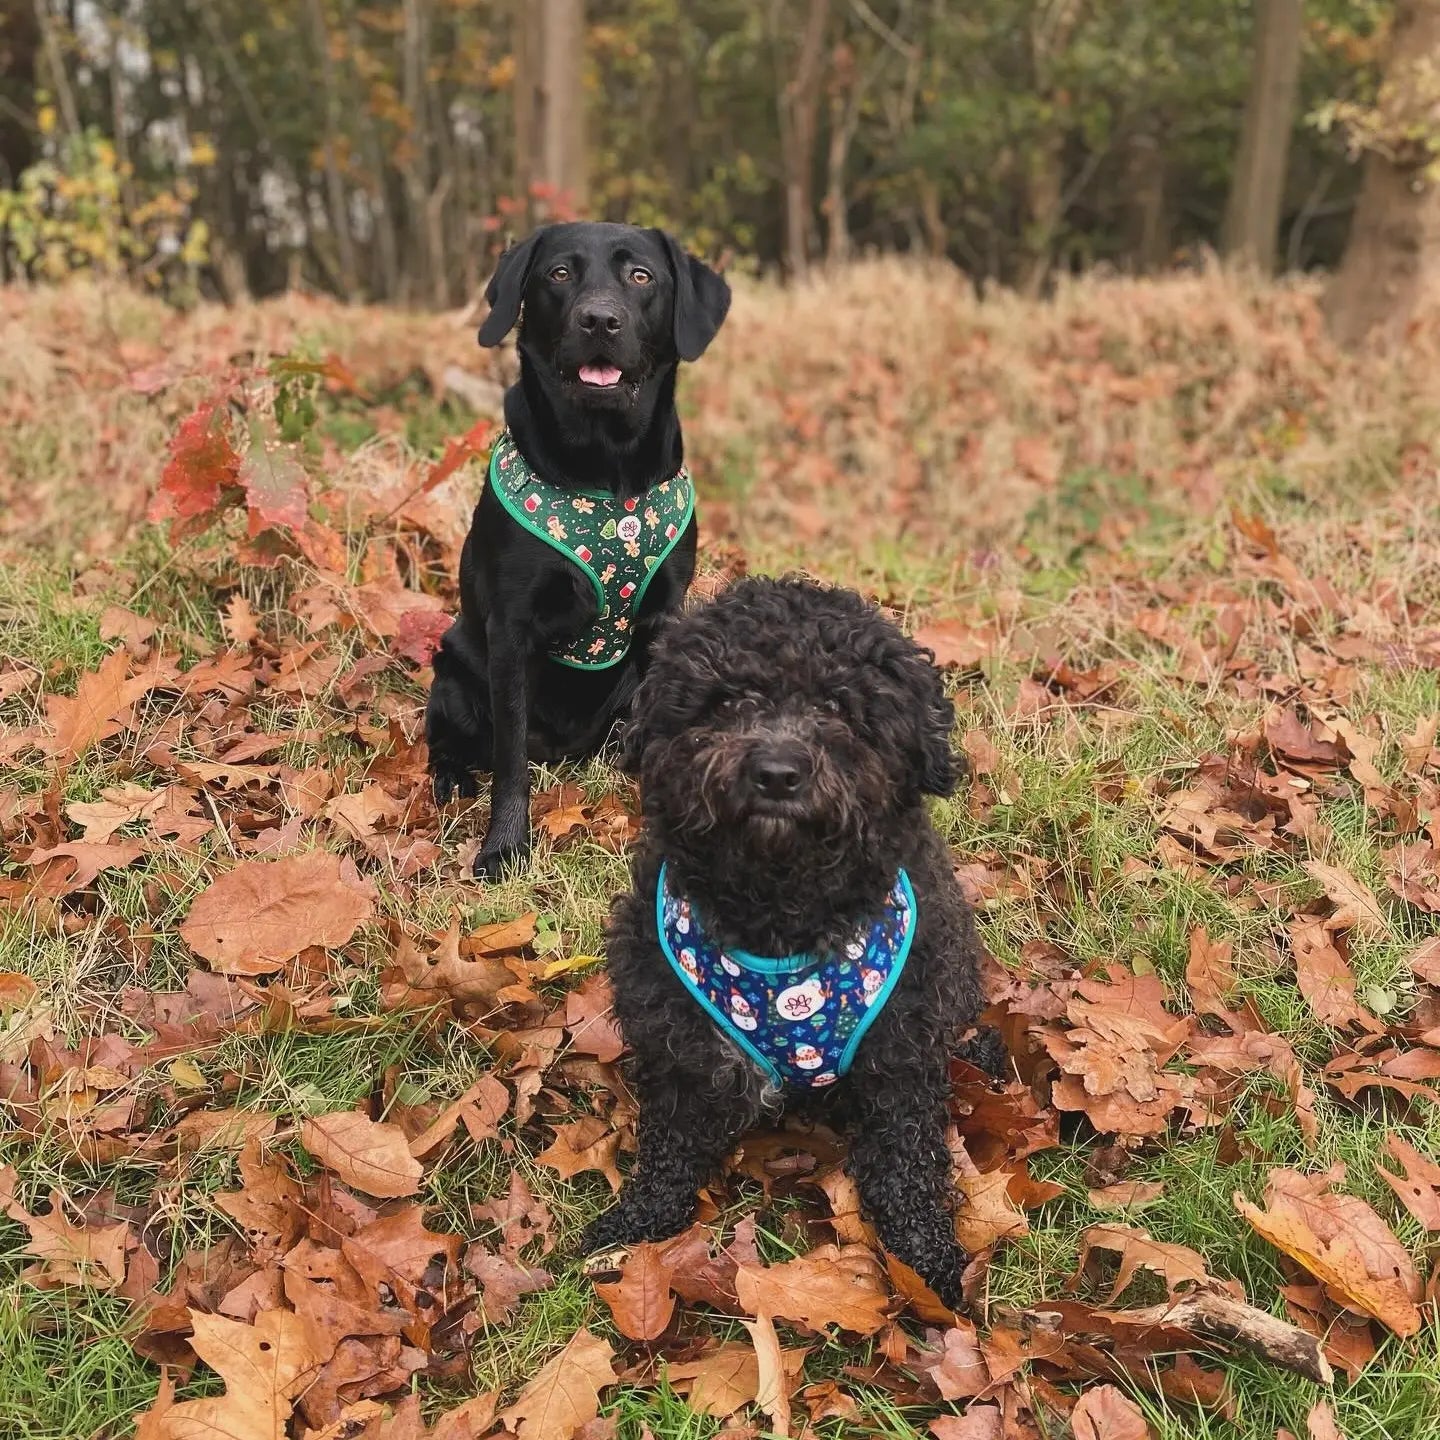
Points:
x=619 y=545
x=722 y=1021
x=800 y=1018
x=873 y=1013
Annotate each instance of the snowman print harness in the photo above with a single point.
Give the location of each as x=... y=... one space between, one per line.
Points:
x=618 y=544
x=800 y=1018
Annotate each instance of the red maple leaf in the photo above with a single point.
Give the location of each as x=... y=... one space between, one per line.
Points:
x=419 y=632
x=202 y=466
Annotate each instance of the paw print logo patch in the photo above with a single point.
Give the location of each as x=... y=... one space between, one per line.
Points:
x=800 y=1002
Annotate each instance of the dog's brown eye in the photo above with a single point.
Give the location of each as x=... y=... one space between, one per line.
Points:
x=560 y=273
x=641 y=277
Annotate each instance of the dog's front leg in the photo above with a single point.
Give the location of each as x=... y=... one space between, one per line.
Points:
x=508 y=838
x=683 y=1140
x=902 y=1167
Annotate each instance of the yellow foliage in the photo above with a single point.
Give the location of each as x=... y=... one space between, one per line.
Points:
x=69 y=213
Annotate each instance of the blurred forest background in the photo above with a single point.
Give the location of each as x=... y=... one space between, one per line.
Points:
x=385 y=150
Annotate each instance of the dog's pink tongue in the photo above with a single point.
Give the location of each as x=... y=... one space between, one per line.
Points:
x=599 y=375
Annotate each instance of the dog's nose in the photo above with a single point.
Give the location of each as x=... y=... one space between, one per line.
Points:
x=598 y=315
x=779 y=773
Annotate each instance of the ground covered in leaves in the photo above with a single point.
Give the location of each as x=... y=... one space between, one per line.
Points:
x=298 y=1124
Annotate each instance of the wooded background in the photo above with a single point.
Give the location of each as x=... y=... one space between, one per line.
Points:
x=385 y=150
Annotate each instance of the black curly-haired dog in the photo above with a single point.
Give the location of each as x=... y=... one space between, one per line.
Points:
x=785 y=739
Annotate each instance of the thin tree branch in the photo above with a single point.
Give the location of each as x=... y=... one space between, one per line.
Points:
x=908 y=49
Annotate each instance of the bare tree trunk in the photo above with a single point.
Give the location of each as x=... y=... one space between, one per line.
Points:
x=550 y=141
x=419 y=278
x=799 y=108
x=1044 y=192
x=55 y=64
x=387 y=243
x=676 y=119
x=1392 y=262
x=118 y=121
x=937 y=239
x=227 y=258
x=1051 y=30
x=847 y=88
x=338 y=205
x=19 y=49
x=1148 y=205
x=1257 y=191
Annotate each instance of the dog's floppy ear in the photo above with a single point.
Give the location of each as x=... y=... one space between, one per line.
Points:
x=507 y=289
x=635 y=734
x=940 y=769
x=702 y=300
x=632 y=746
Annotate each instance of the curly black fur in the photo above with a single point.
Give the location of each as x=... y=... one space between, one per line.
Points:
x=818 y=677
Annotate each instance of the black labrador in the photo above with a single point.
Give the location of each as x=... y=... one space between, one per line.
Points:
x=606 y=313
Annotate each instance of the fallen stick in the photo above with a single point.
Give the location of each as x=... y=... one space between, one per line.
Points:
x=1217 y=1316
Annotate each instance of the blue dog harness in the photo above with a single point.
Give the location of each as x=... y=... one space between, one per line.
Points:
x=800 y=1018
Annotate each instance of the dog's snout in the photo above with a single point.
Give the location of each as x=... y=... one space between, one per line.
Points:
x=599 y=317
x=779 y=772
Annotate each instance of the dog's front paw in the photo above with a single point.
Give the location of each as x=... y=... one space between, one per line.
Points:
x=606 y=1235
x=986 y=1051
x=494 y=860
x=449 y=778
x=946 y=1279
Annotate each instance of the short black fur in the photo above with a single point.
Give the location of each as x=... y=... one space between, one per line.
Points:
x=585 y=295
x=785 y=739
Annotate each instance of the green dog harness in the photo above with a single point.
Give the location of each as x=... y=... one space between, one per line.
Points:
x=619 y=544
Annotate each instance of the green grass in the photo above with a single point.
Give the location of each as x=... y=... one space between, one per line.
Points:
x=1072 y=796
x=66 y=1368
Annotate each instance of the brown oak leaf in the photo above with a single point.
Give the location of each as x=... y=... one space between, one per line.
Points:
x=1418 y=1186
x=641 y=1300
x=979 y=1422
x=72 y=1254
x=372 y=1157
x=1106 y=1413
x=265 y=1365
x=262 y=913
x=565 y=1393
x=958 y=1370
x=1176 y=1264
x=829 y=1286
x=1356 y=907
x=588 y=1144
x=1340 y=1240
x=1326 y=982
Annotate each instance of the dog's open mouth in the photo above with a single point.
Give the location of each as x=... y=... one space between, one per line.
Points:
x=600 y=377
x=774 y=816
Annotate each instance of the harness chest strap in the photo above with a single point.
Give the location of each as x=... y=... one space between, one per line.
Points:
x=800 y=1018
x=618 y=544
